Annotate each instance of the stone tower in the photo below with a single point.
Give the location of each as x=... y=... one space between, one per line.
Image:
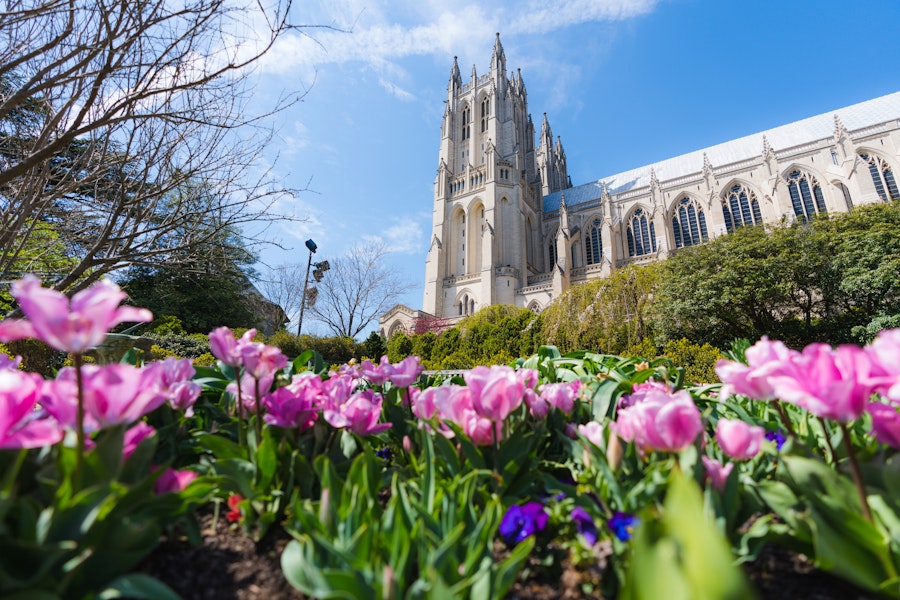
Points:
x=487 y=227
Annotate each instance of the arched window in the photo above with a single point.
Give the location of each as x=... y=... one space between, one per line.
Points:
x=641 y=235
x=472 y=306
x=740 y=207
x=485 y=113
x=689 y=223
x=551 y=248
x=593 y=243
x=466 y=122
x=882 y=177
x=806 y=195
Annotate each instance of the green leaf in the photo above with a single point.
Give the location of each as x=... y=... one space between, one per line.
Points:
x=220 y=447
x=139 y=587
x=266 y=461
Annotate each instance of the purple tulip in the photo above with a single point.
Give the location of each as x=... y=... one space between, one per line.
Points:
x=561 y=395
x=295 y=405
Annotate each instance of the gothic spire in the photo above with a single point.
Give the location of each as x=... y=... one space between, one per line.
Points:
x=455 y=77
x=498 y=58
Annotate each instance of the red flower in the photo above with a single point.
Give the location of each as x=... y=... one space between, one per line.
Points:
x=234 y=512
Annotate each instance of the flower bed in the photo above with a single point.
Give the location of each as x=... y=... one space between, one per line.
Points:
x=391 y=483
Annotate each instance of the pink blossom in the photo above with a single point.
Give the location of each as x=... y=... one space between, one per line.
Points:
x=249 y=389
x=752 y=379
x=738 y=439
x=359 y=414
x=495 y=391
x=405 y=373
x=134 y=436
x=885 y=354
x=7 y=362
x=227 y=349
x=537 y=405
x=593 y=431
x=261 y=360
x=716 y=473
x=295 y=405
x=424 y=405
x=376 y=374
x=657 y=419
x=113 y=394
x=172 y=481
x=830 y=383
x=457 y=407
x=885 y=424
x=69 y=325
x=561 y=395
x=20 y=426
x=173 y=376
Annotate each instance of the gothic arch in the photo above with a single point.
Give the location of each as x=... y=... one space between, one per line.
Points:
x=532 y=242
x=457 y=236
x=740 y=204
x=464 y=304
x=687 y=221
x=465 y=118
x=883 y=174
x=592 y=233
x=640 y=232
x=475 y=233
x=806 y=191
x=535 y=307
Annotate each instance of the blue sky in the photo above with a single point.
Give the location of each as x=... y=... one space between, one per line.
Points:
x=625 y=83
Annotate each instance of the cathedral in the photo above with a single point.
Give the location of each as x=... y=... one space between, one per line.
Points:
x=508 y=227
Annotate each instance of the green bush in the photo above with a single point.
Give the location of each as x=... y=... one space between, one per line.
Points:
x=399 y=347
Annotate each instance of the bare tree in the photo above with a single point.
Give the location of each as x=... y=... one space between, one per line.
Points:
x=283 y=286
x=359 y=287
x=127 y=128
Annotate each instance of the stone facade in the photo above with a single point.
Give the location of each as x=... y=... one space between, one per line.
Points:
x=509 y=228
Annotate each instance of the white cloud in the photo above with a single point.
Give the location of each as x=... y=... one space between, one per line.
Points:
x=381 y=33
x=405 y=236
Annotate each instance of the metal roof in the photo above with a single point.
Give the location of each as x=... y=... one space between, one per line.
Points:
x=854 y=117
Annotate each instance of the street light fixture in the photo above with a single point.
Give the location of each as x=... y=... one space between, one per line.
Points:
x=321 y=267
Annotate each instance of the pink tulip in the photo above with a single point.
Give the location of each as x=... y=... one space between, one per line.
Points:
x=7 y=362
x=113 y=394
x=405 y=373
x=227 y=349
x=482 y=430
x=495 y=391
x=593 y=431
x=657 y=419
x=172 y=481
x=359 y=414
x=249 y=388
x=20 y=425
x=739 y=440
x=752 y=379
x=134 y=436
x=69 y=325
x=424 y=405
x=456 y=406
x=261 y=360
x=173 y=376
x=295 y=405
x=537 y=405
x=830 y=383
x=716 y=473
x=885 y=424
x=376 y=374
x=561 y=395
x=885 y=354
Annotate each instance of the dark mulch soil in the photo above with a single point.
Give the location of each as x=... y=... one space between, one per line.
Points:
x=228 y=565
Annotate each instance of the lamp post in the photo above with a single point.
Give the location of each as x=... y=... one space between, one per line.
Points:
x=321 y=267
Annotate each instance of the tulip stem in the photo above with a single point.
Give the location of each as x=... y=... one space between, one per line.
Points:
x=828 y=440
x=784 y=418
x=258 y=411
x=857 y=477
x=239 y=411
x=79 y=420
